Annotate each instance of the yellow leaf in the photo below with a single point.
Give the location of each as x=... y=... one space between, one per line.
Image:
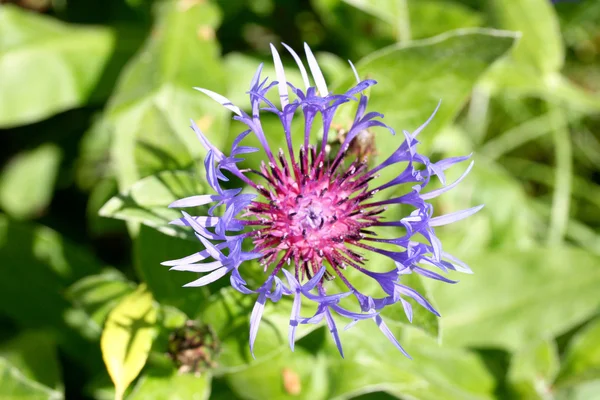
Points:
x=127 y=338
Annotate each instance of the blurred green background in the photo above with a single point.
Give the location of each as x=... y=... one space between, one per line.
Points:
x=95 y=102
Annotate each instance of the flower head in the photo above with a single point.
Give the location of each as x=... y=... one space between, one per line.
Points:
x=311 y=215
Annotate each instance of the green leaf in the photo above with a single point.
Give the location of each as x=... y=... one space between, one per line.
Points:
x=27 y=182
x=93 y=161
x=148 y=199
x=541 y=46
x=584 y=391
x=15 y=386
x=74 y=56
x=522 y=296
x=284 y=376
x=34 y=354
x=150 y=248
x=533 y=369
x=157 y=148
x=582 y=358
x=414 y=78
x=156 y=87
x=506 y=220
x=127 y=338
x=228 y=312
x=158 y=385
x=97 y=294
x=425 y=17
x=37 y=265
x=373 y=364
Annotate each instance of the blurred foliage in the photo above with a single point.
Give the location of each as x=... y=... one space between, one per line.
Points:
x=95 y=103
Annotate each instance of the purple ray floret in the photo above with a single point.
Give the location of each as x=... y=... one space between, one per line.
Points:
x=310 y=214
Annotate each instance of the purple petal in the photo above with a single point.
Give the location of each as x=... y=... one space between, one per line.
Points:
x=386 y=331
x=316 y=71
x=224 y=101
x=410 y=292
x=257 y=312
x=300 y=65
x=194 y=201
x=294 y=319
x=420 y=128
x=205 y=267
x=436 y=193
x=429 y=274
x=205 y=280
x=453 y=217
x=334 y=331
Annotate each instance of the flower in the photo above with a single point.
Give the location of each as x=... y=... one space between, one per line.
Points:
x=316 y=209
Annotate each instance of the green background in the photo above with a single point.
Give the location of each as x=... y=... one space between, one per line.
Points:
x=95 y=103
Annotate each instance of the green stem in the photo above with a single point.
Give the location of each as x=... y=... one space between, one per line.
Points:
x=404 y=35
x=559 y=216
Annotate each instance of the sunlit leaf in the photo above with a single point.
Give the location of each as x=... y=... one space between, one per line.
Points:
x=228 y=312
x=157 y=85
x=541 y=46
x=15 y=386
x=582 y=358
x=34 y=354
x=284 y=376
x=522 y=296
x=35 y=47
x=533 y=369
x=27 y=182
x=148 y=199
x=127 y=338
x=372 y=364
x=159 y=384
x=96 y=295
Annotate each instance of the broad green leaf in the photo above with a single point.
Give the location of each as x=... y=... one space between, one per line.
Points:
x=37 y=265
x=34 y=354
x=148 y=199
x=412 y=79
x=159 y=385
x=507 y=75
x=96 y=295
x=582 y=358
x=541 y=46
x=157 y=148
x=533 y=369
x=150 y=248
x=425 y=17
x=506 y=220
x=34 y=47
x=27 y=182
x=228 y=312
x=584 y=391
x=156 y=86
x=284 y=376
x=373 y=364
x=16 y=386
x=127 y=338
x=522 y=296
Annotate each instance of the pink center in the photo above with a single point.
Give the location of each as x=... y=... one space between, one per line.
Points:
x=312 y=213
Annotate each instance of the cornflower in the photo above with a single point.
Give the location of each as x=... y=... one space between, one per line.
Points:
x=311 y=213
